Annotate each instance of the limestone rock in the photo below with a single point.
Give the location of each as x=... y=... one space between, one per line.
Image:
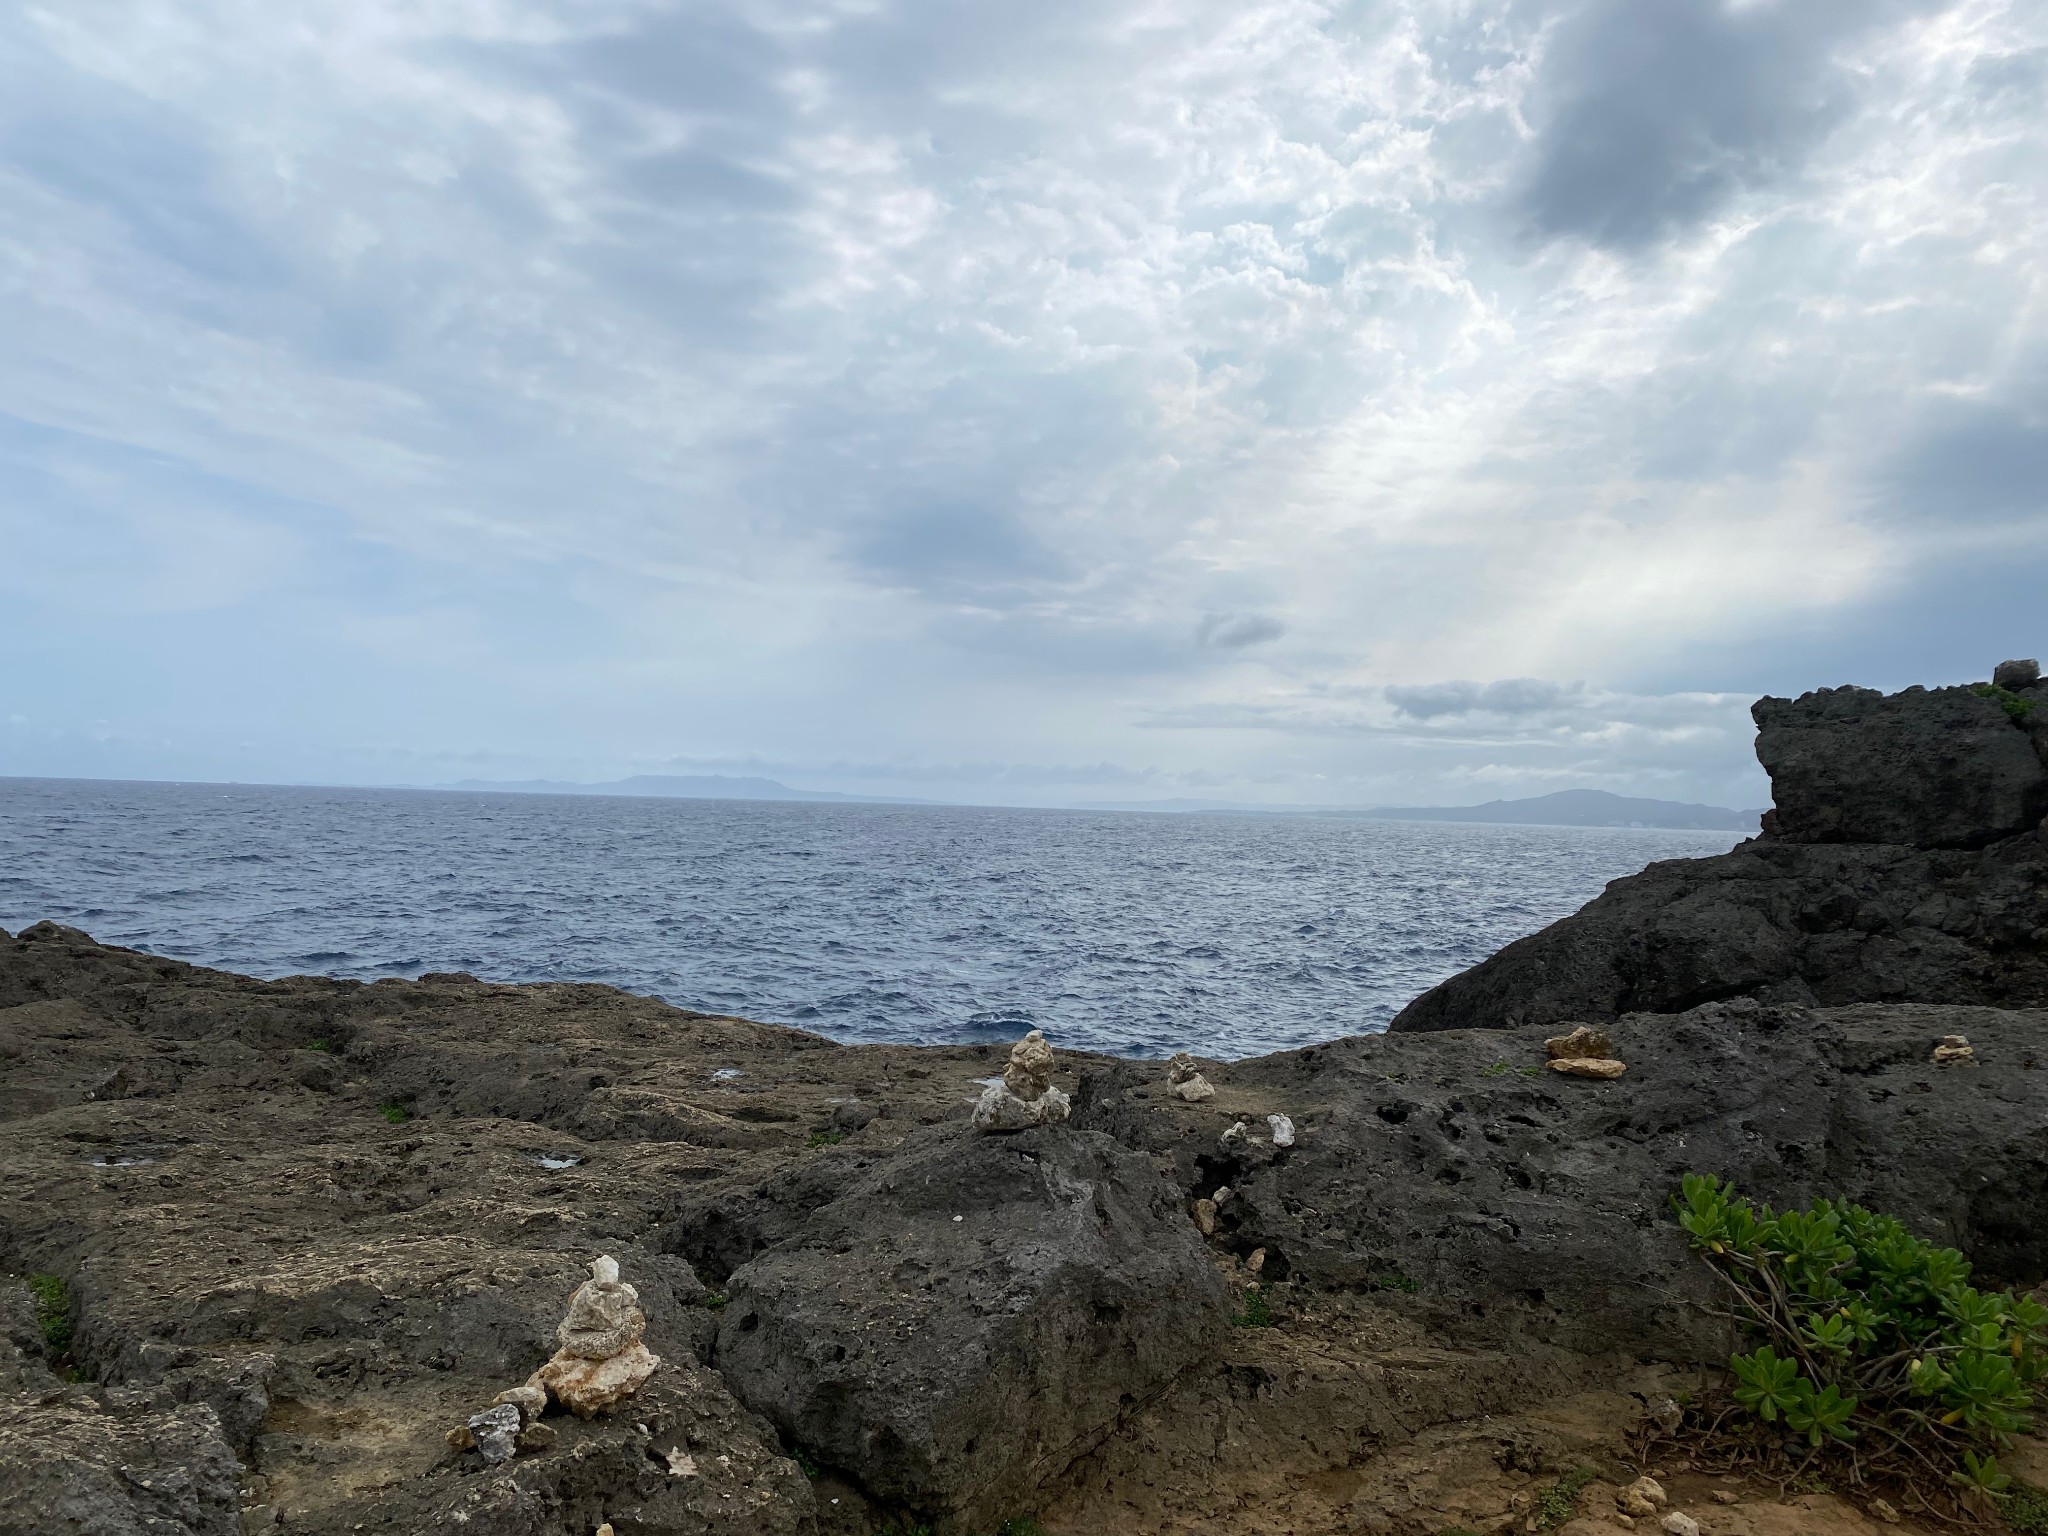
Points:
x=536 y=1437
x=601 y=1360
x=1001 y=1110
x=1282 y=1129
x=1954 y=1051
x=1185 y=1081
x=604 y=1316
x=1644 y=1496
x=1881 y=1509
x=586 y=1387
x=1678 y=1524
x=495 y=1433
x=1029 y=1073
x=1584 y=1041
x=1025 y=1097
x=1589 y=1066
x=2015 y=675
x=1205 y=1217
x=530 y=1400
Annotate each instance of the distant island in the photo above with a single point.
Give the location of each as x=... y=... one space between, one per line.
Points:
x=1563 y=808
x=673 y=786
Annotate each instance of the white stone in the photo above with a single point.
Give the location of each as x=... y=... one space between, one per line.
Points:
x=1193 y=1090
x=1644 y=1496
x=1676 y=1524
x=681 y=1463
x=1283 y=1130
x=998 y=1109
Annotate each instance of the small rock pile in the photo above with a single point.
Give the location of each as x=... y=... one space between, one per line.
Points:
x=1954 y=1051
x=1025 y=1097
x=600 y=1362
x=1185 y=1081
x=1585 y=1052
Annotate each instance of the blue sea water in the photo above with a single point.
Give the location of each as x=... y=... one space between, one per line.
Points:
x=1127 y=932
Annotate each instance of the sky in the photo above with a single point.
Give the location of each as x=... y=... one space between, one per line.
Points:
x=1135 y=399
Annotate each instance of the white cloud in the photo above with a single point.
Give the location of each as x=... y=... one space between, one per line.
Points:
x=885 y=383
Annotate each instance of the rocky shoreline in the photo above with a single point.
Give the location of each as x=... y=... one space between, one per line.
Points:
x=291 y=1233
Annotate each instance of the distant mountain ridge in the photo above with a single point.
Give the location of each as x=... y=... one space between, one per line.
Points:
x=673 y=786
x=1562 y=808
x=1585 y=808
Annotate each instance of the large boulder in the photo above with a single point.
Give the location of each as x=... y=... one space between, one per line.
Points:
x=1930 y=768
x=1905 y=862
x=1518 y=1205
x=971 y=1315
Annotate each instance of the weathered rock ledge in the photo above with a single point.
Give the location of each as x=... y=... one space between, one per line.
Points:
x=304 y=1228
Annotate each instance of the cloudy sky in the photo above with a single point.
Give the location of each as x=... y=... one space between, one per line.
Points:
x=1251 y=399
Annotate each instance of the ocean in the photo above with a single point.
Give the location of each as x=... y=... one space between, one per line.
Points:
x=1136 y=933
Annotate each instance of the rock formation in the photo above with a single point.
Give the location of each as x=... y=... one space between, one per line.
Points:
x=969 y=1316
x=601 y=1359
x=1904 y=861
x=1186 y=1080
x=1025 y=1097
x=270 y=1302
x=1584 y=1052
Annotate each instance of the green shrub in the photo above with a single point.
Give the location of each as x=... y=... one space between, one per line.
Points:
x=2015 y=705
x=53 y=1312
x=320 y=1045
x=394 y=1111
x=826 y=1138
x=1019 y=1525
x=1257 y=1313
x=1870 y=1341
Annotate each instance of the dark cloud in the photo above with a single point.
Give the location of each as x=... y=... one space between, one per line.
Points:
x=1652 y=116
x=1235 y=631
x=1974 y=463
x=1510 y=696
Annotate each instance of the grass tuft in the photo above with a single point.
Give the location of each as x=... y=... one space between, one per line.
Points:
x=53 y=1312
x=1560 y=1501
x=394 y=1111
x=1257 y=1313
x=826 y=1138
x=2025 y=1509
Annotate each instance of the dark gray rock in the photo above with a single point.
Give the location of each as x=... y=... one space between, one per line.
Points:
x=1520 y=1204
x=853 y=1115
x=1816 y=923
x=70 y=1466
x=1940 y=768
x=1921 y=909
x=971 y=1315
x=2016 y=674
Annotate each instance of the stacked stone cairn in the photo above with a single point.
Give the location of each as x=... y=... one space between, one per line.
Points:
x=1185 y=1081
x=601 y=1361
x=1025 y=1097
x=1585 y=1052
